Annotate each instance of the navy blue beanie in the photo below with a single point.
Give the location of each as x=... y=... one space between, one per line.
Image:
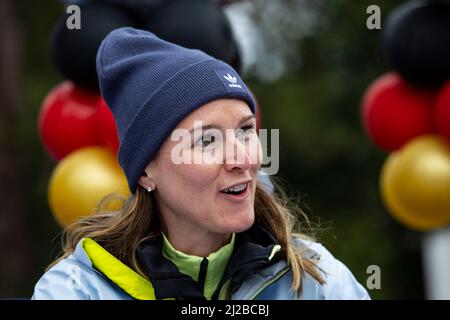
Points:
x=150 y=85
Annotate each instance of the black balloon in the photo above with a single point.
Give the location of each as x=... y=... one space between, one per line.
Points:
x=196 y=24
x=141 y=9
x=447 y=2
x=74 y=51
x=417 y=42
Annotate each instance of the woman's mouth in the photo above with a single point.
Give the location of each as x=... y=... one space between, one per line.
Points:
x=236 y=192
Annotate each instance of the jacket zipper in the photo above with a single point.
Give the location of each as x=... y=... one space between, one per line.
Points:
x=202 y=273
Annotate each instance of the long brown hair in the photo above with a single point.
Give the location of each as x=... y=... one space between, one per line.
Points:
x=121 y=231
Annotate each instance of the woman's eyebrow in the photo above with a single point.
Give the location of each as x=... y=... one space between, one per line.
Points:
x=244 y=119
x=210 y=126
x=216 y=126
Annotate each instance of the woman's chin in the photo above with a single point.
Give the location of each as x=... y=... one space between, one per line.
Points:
x=239 y=225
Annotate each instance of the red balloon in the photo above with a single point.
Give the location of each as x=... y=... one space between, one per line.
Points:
x=393 y=112
x=258 y=116
x=257 y=112
x=442 y=112
x=67 y=119
x=107 y=127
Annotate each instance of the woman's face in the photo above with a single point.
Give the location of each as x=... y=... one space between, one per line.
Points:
x=193 y=175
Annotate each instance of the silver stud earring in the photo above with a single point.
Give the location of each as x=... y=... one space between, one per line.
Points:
x=149 y=189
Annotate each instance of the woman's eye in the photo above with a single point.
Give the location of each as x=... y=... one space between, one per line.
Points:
x=246 y=130
x=206 y=140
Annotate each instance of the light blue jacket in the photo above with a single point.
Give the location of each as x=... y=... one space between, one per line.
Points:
x=75 y=277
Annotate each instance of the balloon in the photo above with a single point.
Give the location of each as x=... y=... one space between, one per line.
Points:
x=141 y=9
x=442 y=112
x=196 y=24
x=446 y=2
x=394 y=112
x=258 y=116
x=257 y=112
x=81 y=180
x=67 y=119
x=415 y=183
x=417 y=42
x=107 y=127
x=74 y=51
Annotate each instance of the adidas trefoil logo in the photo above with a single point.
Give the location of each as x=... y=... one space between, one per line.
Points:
x=230 y=78
x=232 y=81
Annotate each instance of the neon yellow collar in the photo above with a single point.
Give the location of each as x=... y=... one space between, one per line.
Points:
x=190 y=265
x=130 y=281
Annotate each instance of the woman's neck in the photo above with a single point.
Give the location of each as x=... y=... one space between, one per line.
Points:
x=196 y=243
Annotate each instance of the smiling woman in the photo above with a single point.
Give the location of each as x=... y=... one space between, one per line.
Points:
x=203 y=203
x=206 y=229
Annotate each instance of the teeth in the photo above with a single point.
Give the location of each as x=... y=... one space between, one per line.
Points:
x=237 y=188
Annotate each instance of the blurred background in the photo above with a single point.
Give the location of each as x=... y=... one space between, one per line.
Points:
x=309 y=63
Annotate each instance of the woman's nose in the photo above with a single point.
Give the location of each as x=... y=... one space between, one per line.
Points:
x=236 y=154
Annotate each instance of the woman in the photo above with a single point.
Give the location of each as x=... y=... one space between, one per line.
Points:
x=199 y=224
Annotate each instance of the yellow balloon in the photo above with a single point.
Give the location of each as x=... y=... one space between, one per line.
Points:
x=415 y=183
x=81 y=180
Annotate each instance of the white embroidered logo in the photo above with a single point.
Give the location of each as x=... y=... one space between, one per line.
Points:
x=232 y=81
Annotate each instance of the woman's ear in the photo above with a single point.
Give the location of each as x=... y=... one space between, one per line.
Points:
x=147 y=180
